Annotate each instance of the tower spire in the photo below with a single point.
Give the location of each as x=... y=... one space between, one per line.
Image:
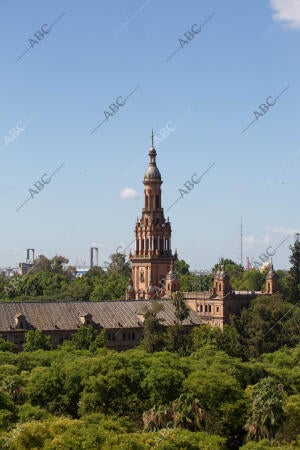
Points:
x=151 y=259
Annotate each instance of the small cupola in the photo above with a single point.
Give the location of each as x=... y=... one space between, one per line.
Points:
x=86 y=319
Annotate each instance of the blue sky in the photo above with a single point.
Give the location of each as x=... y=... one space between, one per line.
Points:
x=52 y=98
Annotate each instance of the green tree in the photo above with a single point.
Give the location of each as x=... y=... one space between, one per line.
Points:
x=267 y=409
x=58 y=264
x=290 y=428
x=187 y=413
x=234 y=270
x=83 y=337
x=41 y=283
x=181 y=310
x=178 y=335
x=191 y=281
x=109 y=287
x=221 y=399
x=181 y=267
x=118 y=265
x=41 y=263
x=213 y=337
x=162 y=381
x=205 y=335
x=154 y=331
x=27 y=413
x=250 y=280
x=6 y=346
x=202 y=282
x=36 y=340
x=266 y=325
x=231 y=267
x=293 y=280
x=100 y=341
x=78 y=290
x=94 y=272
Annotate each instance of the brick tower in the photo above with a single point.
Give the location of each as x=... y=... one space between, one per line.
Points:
x=152 y=259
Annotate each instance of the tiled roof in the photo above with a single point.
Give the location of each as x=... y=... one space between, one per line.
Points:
x=66 y=315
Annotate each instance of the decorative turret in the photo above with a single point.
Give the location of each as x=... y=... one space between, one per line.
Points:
x=171 y=284
x=272 y=284
x=129 y=291
x=221 y=286
x=151 y=293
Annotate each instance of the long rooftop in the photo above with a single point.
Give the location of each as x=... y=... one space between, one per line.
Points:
x=105 y=314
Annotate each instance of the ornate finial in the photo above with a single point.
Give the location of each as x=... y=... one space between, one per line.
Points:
x=152 y=138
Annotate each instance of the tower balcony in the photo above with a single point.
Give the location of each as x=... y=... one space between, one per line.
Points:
x=156 y=252
x=150 y=210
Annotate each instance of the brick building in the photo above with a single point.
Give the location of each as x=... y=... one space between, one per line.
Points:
x=153 y=275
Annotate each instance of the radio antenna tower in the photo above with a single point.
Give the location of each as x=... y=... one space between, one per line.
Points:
x=241 y=242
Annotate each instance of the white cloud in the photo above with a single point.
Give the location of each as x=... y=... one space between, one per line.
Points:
x=250 y=240
x=287 y=11
x=95 y=244
x=128 y=193
x=283 y=230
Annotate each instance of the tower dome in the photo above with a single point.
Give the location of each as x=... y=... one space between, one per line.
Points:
x=152 y=172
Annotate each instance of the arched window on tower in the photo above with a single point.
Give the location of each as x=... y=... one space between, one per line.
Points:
x=161 y=245
x=146 y=201
x=157 y=201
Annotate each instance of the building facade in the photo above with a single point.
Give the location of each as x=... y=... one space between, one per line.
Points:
x=215 y=306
